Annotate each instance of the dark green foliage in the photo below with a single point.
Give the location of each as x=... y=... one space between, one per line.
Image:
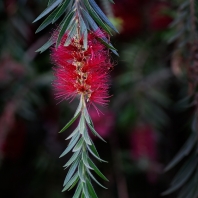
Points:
x=185 y=151
x=185 y=36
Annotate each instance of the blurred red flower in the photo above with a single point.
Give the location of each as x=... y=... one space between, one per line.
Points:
x=144 y=150
x=82 y=71
x=158 y=16
x=143 y=143
x=130 y=13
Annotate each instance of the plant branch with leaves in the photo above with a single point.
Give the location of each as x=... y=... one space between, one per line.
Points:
x=81 y=166
x=80 y=17
x=187 y=177
x=81 y=54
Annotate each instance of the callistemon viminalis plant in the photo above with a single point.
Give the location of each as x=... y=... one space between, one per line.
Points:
x=80 y=52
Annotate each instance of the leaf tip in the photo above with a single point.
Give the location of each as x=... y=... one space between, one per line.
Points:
x=60 y=131
x=35 y=20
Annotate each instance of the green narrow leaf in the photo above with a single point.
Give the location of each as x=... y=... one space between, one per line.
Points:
x=78 y=191
x=195 y=182
x=83 y=31
x=186 y=189
x=73 y=185
x=82 y=25
x=91 y=190
x=87 y=117
x=65 y=24
x=85 y=190
x=72 y=159
x=93 y=26
x=61 y=11
x=93 y=151
x=95 y=133
x=97 y=171
x=72 y=33
x=82 y=124
x=86 y=22
x=177 y=35
x=48 y=44
x=81 y=171
x=71 y=145
x=73 y=179
x=190 y=194
x=48 y=10
x=78 y=145
x=184 y=5
x=93 y=148
x=96 y=17
x=185 y=171
x=85 y=161
x=86 y=136
x=184 y=174
x=48 y=20
x=185 y=150
x=79 y=108
x=69 y=123
x=108 y=45
x=178 y=19
x=50 y=2
x=72 y=134
x=102 y=15
x=71 y=172
x=95 y=179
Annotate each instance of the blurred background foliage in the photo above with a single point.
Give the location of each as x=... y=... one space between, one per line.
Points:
x=146 y=123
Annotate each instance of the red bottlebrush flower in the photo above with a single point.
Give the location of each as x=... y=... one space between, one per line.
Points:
x=82 y=71
x=158 y=18
x=143 y=143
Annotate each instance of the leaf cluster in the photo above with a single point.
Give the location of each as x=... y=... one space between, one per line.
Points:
x=182 y=25
x=186 y=178
x=81 y=166
x=79 y=17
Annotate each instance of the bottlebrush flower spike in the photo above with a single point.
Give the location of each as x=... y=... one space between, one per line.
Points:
x=82 y=71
